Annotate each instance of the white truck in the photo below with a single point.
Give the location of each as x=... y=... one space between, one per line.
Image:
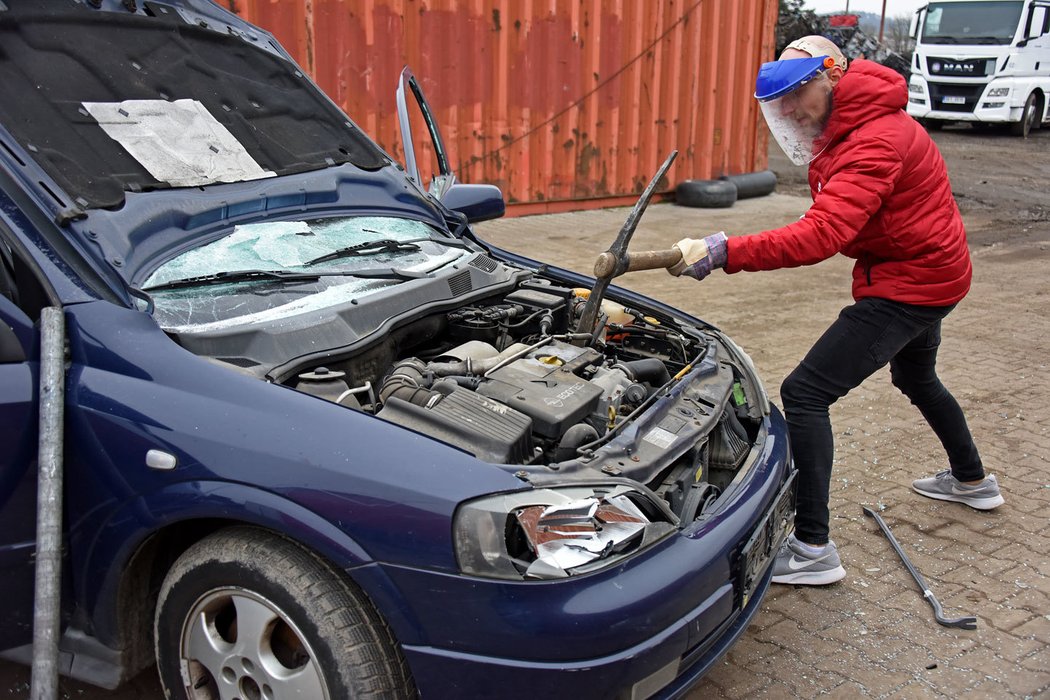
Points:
x=982 y=61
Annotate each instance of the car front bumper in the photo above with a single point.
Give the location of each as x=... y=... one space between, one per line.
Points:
x=650 y=627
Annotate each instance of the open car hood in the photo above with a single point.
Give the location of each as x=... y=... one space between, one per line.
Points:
x=99 y=89
x=152 y=132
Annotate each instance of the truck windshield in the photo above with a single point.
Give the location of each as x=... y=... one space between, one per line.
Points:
x=971 y=22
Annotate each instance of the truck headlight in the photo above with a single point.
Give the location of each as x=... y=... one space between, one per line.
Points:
x=556 y=532
x=999 y=92
x=916 y=88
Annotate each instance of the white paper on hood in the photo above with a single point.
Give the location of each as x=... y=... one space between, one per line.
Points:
x=178 y=142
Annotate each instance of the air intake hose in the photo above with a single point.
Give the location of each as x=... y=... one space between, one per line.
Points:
x=649 y=370
x=410 y=381
x=574 y=437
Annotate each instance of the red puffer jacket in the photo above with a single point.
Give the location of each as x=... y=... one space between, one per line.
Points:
x=880 y=195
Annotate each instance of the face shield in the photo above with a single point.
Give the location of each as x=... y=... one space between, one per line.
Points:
x=795 y=96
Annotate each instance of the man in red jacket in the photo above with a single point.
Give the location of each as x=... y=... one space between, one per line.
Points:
x=880 y=195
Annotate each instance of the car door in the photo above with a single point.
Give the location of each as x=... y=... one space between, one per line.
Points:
x=18 y=473
x=477 y=202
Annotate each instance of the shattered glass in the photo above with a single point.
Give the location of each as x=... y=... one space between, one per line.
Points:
x=287 y=246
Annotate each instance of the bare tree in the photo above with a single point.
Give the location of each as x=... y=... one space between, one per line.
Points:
x=896 y=37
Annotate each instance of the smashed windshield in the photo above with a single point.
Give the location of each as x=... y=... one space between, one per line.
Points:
x=971 y=22
x=202 y=290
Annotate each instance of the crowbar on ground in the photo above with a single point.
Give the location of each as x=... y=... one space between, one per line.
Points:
x=968 y=622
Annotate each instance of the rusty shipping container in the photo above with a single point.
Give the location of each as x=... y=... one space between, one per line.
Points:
x=564 y=104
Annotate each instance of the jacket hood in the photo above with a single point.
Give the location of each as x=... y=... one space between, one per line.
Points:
x=866 y=91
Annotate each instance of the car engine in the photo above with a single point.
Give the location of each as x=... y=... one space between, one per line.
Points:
x=507 y=380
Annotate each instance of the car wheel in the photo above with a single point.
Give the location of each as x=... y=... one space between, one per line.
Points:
x=246 y=614
x=1028 y=118
x=705 y=193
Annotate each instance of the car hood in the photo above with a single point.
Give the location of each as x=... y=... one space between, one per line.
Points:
x=98 y=89
x=166 y=121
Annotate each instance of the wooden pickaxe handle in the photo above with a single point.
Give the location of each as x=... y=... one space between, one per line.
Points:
x=607 y=265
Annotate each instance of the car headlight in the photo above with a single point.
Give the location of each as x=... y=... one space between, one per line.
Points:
x=999 y=92
x=556 y=532
x=916 y=88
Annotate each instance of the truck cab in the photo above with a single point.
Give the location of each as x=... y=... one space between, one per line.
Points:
x=982 y=61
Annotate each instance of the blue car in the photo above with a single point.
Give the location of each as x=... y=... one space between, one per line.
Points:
x=321 y=440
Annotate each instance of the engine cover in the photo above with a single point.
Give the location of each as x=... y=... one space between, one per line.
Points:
x=490 y=431
x=544 y=387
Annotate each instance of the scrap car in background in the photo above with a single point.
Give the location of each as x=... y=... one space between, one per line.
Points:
x=321 y=440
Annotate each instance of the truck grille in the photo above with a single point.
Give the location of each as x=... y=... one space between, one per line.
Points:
x=960 y=68
x=968 y=93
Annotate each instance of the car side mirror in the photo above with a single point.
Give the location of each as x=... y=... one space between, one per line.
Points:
x=476 y=202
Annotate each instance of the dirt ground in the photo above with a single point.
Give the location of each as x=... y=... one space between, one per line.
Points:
x=872 y=635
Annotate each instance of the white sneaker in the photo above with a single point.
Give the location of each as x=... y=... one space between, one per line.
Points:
x=794 y=564
x=945 y=487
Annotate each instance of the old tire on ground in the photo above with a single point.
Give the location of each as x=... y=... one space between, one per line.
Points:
x=253 y=615
x=757 y=184
x=705 y=193
x=1028 y=118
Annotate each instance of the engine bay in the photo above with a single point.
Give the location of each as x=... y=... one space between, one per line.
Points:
x=505 y=378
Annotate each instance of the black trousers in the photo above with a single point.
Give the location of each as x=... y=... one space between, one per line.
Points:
x=862 y=340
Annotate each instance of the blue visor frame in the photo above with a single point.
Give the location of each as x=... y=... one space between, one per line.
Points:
x=778 y=78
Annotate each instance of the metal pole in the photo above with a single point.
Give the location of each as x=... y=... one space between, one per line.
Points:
x=882 y=24
x=47 y=605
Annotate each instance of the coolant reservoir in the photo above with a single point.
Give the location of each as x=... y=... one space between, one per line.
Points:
x=327 y=384
x=616 y=313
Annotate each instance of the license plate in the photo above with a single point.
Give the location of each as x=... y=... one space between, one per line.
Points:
x=953 y=100
x=766 y=540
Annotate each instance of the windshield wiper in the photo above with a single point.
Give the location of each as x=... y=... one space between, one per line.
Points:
x=235 y=276
x=283 y=276
x=384 y=245
x=941 y=40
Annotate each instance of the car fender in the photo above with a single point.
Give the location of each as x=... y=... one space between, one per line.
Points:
x=185 y=503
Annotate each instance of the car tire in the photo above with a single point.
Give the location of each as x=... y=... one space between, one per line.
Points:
x=245 y=613
x=1028 y=118
x=757 y=184
x=710 y=194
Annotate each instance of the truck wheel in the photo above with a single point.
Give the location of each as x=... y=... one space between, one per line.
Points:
x=1028 y=118
x=246 y=614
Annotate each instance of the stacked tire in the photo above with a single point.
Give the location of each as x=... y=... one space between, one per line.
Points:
x=721 y=193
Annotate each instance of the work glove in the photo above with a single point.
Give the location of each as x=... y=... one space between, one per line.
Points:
x=700 y=257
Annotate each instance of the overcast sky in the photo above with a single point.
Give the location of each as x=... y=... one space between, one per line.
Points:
x=893 y=7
